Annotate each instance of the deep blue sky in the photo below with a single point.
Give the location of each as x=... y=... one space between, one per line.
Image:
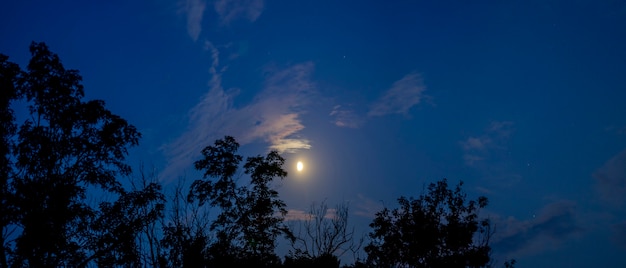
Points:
x=525 y=101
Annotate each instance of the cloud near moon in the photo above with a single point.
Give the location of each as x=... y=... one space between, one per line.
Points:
x=273 y=116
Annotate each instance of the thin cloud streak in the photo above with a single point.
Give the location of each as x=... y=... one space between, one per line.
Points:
x=610 y=186
x=273 y=116
x=403 y=94
x=398 y=99
x=475 y=143
x=477 y=149
x=227 y=10
x=611 y=180
x=367 y=207
x=301 y=215
x=298 y=215
x=344 y=117
x=194 y=9
x=230 y=10
x=556 y=223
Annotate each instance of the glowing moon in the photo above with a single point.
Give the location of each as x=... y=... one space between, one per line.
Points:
x=299 y=166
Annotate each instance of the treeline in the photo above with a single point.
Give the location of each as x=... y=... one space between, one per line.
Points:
x=64 y=204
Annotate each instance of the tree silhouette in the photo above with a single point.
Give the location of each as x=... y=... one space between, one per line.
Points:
x=185 y=238
x=67 y=148
x=251 y=217
x=322 y=237
x=64 y=148
x=120 y=223
x=10 y=74
x=438 y=229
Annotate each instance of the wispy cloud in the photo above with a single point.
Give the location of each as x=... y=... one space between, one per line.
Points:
x=331 y=214
x=610 y=186
x=475 y=143
x=478 y=148
x=488 y=154
x=345 y=117
x=610 y=180
x=194 y=9
x=403 y=94
x=272 y=116
x=367 y=207
x=227 y=11
x=230 y=10
x=301 y=215
x=398 y=99
x=298 y=215
x=549 y=229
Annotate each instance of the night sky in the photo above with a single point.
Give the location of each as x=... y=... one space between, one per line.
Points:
x=524 y=101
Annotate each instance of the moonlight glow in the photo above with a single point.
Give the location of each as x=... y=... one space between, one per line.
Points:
x=299 y=166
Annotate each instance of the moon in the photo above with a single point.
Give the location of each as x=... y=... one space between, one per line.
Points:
x=299 y=166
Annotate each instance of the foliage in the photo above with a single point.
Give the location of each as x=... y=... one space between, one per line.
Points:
x=10 y=74
x=510 y=263
x=185 y=236
x=325 y=260
x=120 y=223
x=438 y=229
x=63 y=148
x=323 y=234
x=251 y=217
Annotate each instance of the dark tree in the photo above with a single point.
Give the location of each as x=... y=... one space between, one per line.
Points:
x=64 y=148
x=323 y=236
x=10 y=74
x=220 y=163
x=185 y=238
x=303 y=261
x=151 y=210
x=251 y=215
x=263 y=211
x=119 y=225
x=438 y=229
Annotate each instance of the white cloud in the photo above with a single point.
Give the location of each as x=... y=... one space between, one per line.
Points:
x=273 y=115
x=230 y=10
x=194 y=9
x=403 y=94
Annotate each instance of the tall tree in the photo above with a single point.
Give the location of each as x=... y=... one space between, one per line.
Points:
x=64 y=147
x=220 y=163
x=10 y=74
x=438 y=229
x=251 y=216
x=263 y=211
